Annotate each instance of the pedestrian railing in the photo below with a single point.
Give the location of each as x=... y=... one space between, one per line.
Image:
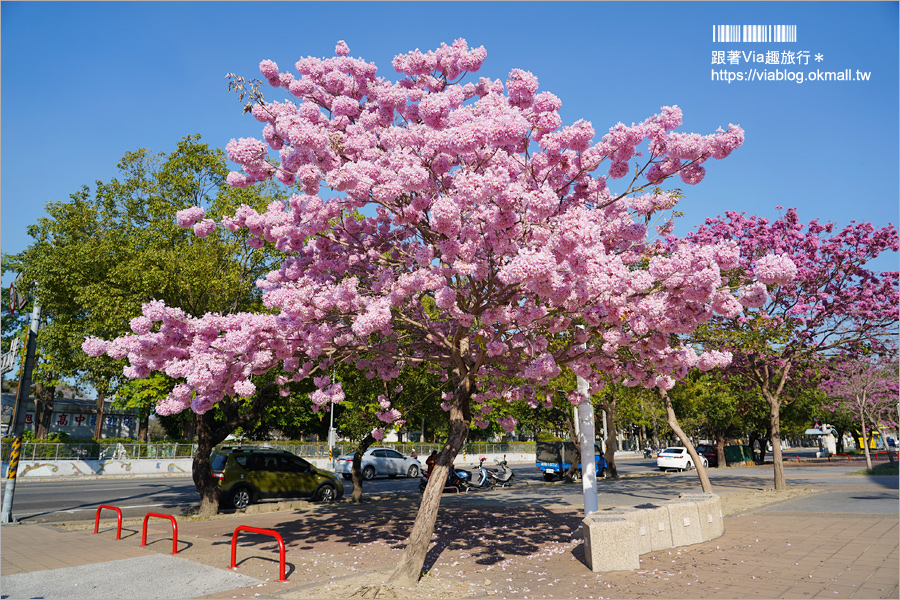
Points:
x=32 y=450
x=37 y=451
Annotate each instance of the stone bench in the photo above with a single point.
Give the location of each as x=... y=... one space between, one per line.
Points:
x=615 y=538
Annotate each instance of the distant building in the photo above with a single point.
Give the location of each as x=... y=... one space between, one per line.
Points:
x=77 y=417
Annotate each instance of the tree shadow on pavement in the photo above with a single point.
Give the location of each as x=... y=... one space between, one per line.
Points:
x=486 y=535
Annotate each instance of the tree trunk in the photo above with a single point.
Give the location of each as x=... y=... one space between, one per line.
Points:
x=609 y=453
x=206 y=485
x=357 y=468
x=672 y=420
x=865 y=439
x=43 y=410
x=771 y=385
x=575 y=459
x=775 y=438
x=209 y=435
x=189 y=429
x=720 y=448
x=409 y=570
x=98 y=427
x=143 y=427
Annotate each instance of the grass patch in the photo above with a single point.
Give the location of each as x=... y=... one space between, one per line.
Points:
x=880 y=470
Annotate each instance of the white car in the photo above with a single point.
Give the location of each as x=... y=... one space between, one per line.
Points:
x=677 y=458
x=379 y=461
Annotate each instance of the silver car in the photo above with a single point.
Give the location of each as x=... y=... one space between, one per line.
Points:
x=677 y=458
x=379 y=461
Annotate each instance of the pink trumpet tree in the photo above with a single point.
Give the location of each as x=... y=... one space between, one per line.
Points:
x=867 y=387
x=459 y=225
x=828 y=302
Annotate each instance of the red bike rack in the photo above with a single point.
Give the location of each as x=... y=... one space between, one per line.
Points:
x=97 y=520
x=847 y=455
x=174 y=530
x=784 y=456
x=275 y=534
x=885 y=453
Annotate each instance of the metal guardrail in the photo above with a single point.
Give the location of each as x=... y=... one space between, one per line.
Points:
x=93 y=451
x=35 y=451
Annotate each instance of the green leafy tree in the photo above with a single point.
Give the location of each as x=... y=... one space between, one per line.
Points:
x=99 y=256
x=708 y=402
x=290 y=417
x=142 y=395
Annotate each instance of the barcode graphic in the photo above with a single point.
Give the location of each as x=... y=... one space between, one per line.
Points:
x=754 y=33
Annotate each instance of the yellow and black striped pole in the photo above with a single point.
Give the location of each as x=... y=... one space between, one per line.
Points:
x=6 y=517
x=14 y=454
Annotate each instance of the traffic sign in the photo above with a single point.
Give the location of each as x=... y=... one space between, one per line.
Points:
x=9 y=359
x=16 y=299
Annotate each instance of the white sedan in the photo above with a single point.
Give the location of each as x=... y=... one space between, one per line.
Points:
x=677 y=458
x=379 y=461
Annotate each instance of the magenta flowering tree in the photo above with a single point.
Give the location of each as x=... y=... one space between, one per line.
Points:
x=457 y=225
x=867 y=387
x=828 y=302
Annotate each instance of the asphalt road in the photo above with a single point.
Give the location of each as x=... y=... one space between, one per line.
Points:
x=52 y=501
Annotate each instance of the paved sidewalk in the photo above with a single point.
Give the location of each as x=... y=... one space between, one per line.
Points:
x=483 y=549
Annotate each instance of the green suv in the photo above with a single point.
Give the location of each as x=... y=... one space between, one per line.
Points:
x=247 y=475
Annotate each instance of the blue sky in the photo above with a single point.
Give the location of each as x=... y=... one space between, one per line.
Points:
x=83 y=83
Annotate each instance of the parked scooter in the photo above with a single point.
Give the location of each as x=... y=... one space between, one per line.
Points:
x=482 y=478
x=502 y=475
x=457 y=479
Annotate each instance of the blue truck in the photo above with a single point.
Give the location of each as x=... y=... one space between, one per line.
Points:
x=550 y=459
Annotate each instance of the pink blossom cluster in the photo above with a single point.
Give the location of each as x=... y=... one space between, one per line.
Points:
x=189 y=216
x=462 y=224
x=754 y=295
x=821 y=273
x=326 y=395
x=775 y=269
x=389 y=416
x=508 y=423
x=864 y=386
x=712 y=359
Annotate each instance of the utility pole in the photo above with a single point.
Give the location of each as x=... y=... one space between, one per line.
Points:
x=18 y=420
x=585 y=428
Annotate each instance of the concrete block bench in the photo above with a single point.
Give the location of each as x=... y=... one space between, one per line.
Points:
x=615 y=538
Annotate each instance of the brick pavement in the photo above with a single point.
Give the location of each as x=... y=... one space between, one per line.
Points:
x=521 y=552
x=27 y=548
